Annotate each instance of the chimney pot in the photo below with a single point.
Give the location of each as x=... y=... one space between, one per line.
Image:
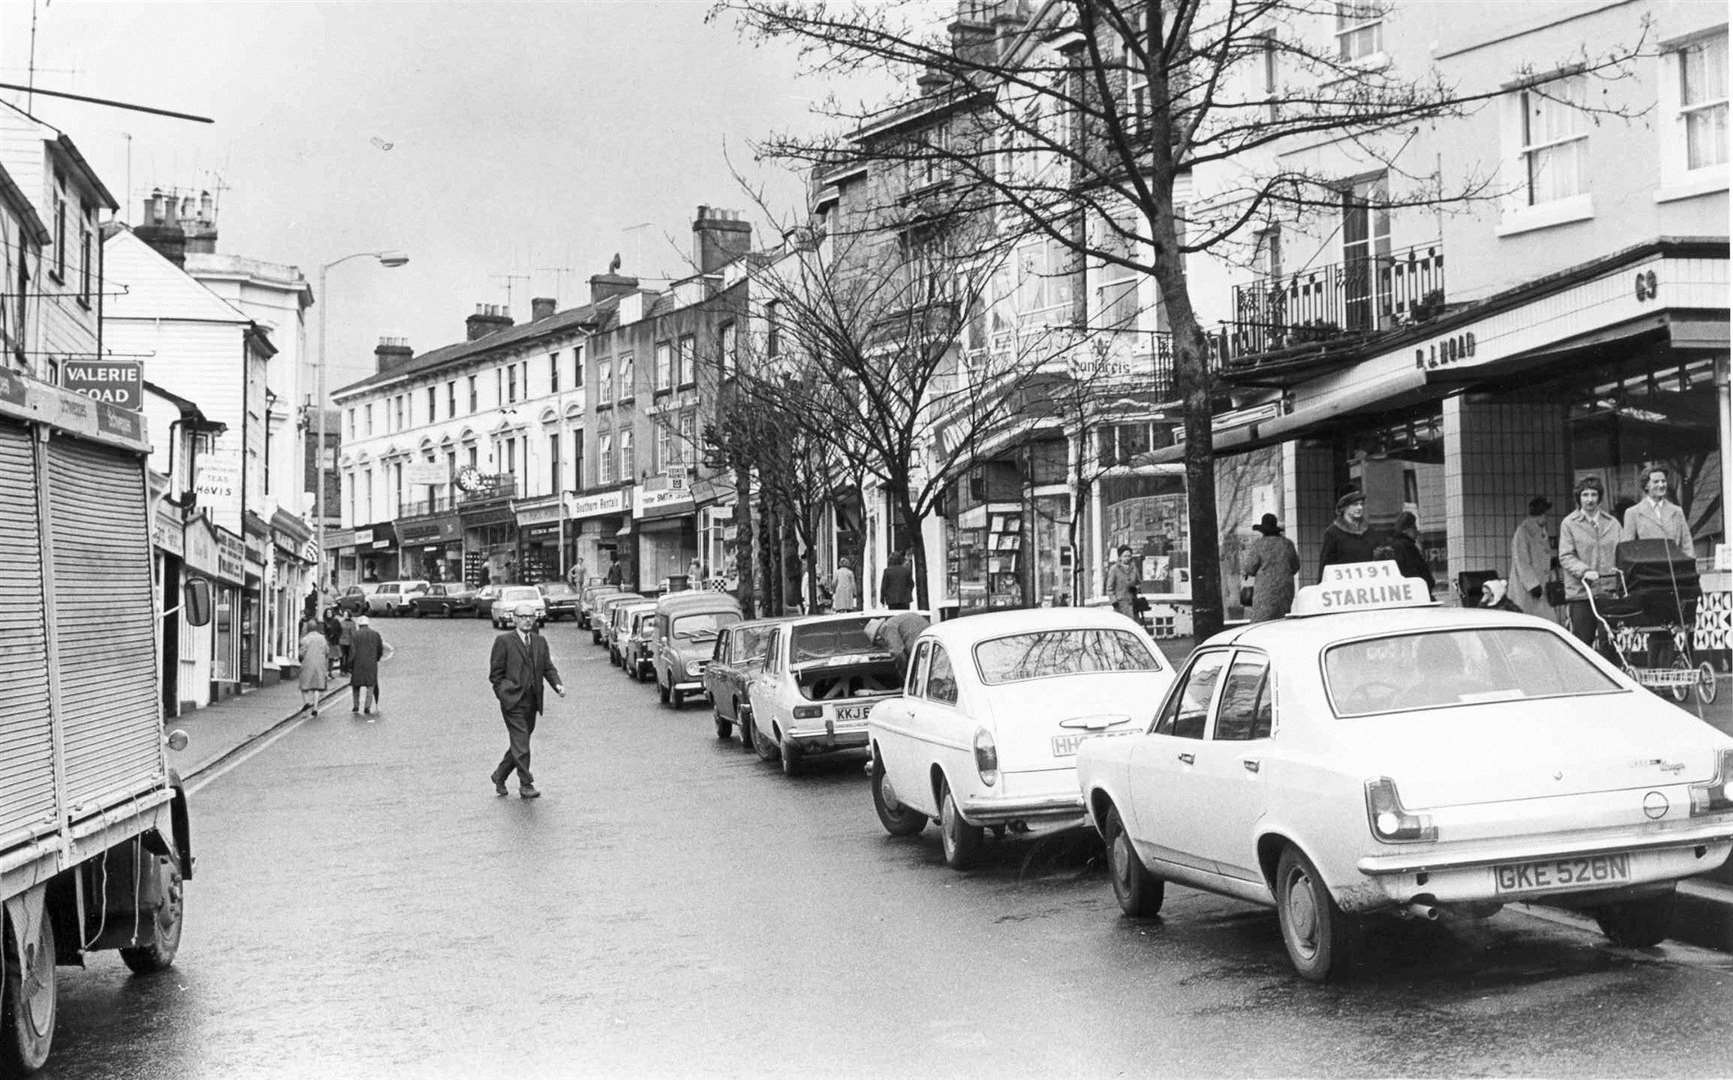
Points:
x=542 y=307
x=488 y=319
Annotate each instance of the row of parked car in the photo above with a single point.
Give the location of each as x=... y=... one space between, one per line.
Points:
x=1373 y=753
x=554 y=600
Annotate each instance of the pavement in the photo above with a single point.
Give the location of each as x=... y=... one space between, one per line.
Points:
x=223 y=731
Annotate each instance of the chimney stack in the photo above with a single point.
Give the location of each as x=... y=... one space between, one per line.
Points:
x=603 y=286
x=176 y=224
x=541 y=307
x=488 y=319
x=718 y=238
x=390 y=352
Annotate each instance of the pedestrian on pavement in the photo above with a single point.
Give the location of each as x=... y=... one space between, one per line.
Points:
x=896 y=634
x=1654 y=518
x=1404 y=542
x=615 y=572
x=1531 y=560
x=366 y=648
x=314 y=656
x=1271 y=562
x=346 y=640
x=1347 y=540
x=842 y=588
x=517 y=668
x=1586 y=539
x=333 y=630
x=1121 y=583
x=695 y=574
x=897 y=583
x=575 y=576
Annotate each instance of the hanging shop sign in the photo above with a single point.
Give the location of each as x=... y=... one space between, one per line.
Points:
x=665 y=501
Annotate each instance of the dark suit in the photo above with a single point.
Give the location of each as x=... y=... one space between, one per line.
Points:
x=517 y=672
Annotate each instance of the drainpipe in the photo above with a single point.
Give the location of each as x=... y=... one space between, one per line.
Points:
x=1724 y=403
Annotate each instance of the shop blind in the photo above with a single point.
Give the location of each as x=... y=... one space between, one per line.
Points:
x=26 y=739
x=112 y=729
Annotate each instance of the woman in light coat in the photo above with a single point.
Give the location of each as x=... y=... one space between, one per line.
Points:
x=315 y=660
x=1271 y=562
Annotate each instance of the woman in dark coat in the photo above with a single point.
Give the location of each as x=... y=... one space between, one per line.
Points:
x=366 y=647
x=1405 y=540
x=1271 y=562
x=1347 y=540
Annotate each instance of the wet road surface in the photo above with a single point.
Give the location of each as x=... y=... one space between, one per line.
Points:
x=365 y=906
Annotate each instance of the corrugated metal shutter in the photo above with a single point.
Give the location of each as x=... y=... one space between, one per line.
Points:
x=112 y=730
x=26 y=739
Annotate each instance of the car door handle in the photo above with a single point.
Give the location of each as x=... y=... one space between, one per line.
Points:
x=1251 y=764
x=1188 y=758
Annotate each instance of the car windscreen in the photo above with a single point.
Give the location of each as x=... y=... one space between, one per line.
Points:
x=833 y=637
x=1038 y=654
x=521 y=593
x=703 y=625
x=1471 y=666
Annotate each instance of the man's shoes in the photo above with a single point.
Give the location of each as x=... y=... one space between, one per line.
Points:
x=499 y=787
x=354 y=708
x=315 y=710
x=368 y=710
x=528 y=792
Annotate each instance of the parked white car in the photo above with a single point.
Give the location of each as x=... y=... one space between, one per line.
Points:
x=1375 y=752
x=987 y=730
x=506 y=603
x=822 y=677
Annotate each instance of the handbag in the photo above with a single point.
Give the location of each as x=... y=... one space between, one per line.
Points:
x=1553 y=589
x=1138 y=604
x=1246 y=593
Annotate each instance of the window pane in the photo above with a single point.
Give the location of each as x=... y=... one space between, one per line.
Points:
x=1018 y=657
x=1244 y=697
x=1183 y=716
x=1457 y=667
x=941 y=679
x=1706 y=137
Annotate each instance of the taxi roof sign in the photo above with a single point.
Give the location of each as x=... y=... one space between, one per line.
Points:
x=1366 y=586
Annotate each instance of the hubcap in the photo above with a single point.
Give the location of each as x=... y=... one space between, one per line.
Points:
x=1121 y=863
x=888 y=794
x=1303 y=912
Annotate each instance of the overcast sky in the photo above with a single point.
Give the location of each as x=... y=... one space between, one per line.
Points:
x=483 y=139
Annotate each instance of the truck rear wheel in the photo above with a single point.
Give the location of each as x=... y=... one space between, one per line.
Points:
x=27 y=1001
x=160 y=952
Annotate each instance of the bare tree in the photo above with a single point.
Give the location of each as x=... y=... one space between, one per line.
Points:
x=1078 y=119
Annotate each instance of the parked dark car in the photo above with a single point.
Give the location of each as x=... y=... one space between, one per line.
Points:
x=590 y=598
x=484 y=598
x=354 y=599
x=739 y=657
x=562 y=600
x=442 y=599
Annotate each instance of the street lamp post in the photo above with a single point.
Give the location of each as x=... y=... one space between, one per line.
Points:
x=386 y=258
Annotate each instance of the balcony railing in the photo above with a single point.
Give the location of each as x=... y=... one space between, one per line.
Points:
x=442 y=501
x=1359 y=296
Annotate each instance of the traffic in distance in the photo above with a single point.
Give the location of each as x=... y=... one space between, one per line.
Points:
x=1373 y=754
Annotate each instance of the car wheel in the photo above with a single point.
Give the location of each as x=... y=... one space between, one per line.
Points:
x=160 y=953
x=961 y=841
x=676 y=699
x=743 y=722
x=419 y=613
x=897 y=819
x=661 y=691
x=1318 y=934
x=1139 y=892
x=1638 y=924
x=791 y=760
x=723 y=727
x=27 y=1006
x=761 y=744
x=1706 y=687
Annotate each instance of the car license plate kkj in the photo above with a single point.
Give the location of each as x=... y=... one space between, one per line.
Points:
x=847 y=714
x=1549 y=875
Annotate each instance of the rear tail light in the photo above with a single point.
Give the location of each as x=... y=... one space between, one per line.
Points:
x=808 y=712
x=986 y=757
x=1390 y=822
x=1714 y=797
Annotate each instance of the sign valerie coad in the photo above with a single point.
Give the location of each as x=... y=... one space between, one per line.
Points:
x=117 y=382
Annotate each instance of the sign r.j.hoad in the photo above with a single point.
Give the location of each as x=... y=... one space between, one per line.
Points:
x=118 y=382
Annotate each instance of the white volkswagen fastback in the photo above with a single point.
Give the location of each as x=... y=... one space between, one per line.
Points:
x=995 y=707
x=1374 y=752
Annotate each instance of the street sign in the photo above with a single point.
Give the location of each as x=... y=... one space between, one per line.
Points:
x=118 y=382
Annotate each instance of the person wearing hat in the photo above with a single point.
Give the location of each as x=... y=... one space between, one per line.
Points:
x=1531 y=560
x=1271 y=562
x=517 y=667
x=1347 y=540
x=366 y=648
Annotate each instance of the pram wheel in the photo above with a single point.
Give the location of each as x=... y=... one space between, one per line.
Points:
x=1706 y=685
x=1681 y=690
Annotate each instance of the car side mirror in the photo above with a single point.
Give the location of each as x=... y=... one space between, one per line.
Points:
x=196 y=601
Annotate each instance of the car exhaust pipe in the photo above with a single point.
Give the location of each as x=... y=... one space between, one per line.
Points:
x=1421 y=909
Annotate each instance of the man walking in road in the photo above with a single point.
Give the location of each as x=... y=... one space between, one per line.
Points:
x=519 y=664
x=366 y=648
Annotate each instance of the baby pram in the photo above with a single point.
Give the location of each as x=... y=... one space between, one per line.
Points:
x=1656 y=593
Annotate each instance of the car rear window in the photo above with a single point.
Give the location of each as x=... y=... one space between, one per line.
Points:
x=703 y=624
x=1471 y=666
x=1041 y=653
x=523 y=592
x=833 y=637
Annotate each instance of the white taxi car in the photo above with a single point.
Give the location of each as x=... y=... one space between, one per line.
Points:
x=987 y=730
x=1374 y=752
